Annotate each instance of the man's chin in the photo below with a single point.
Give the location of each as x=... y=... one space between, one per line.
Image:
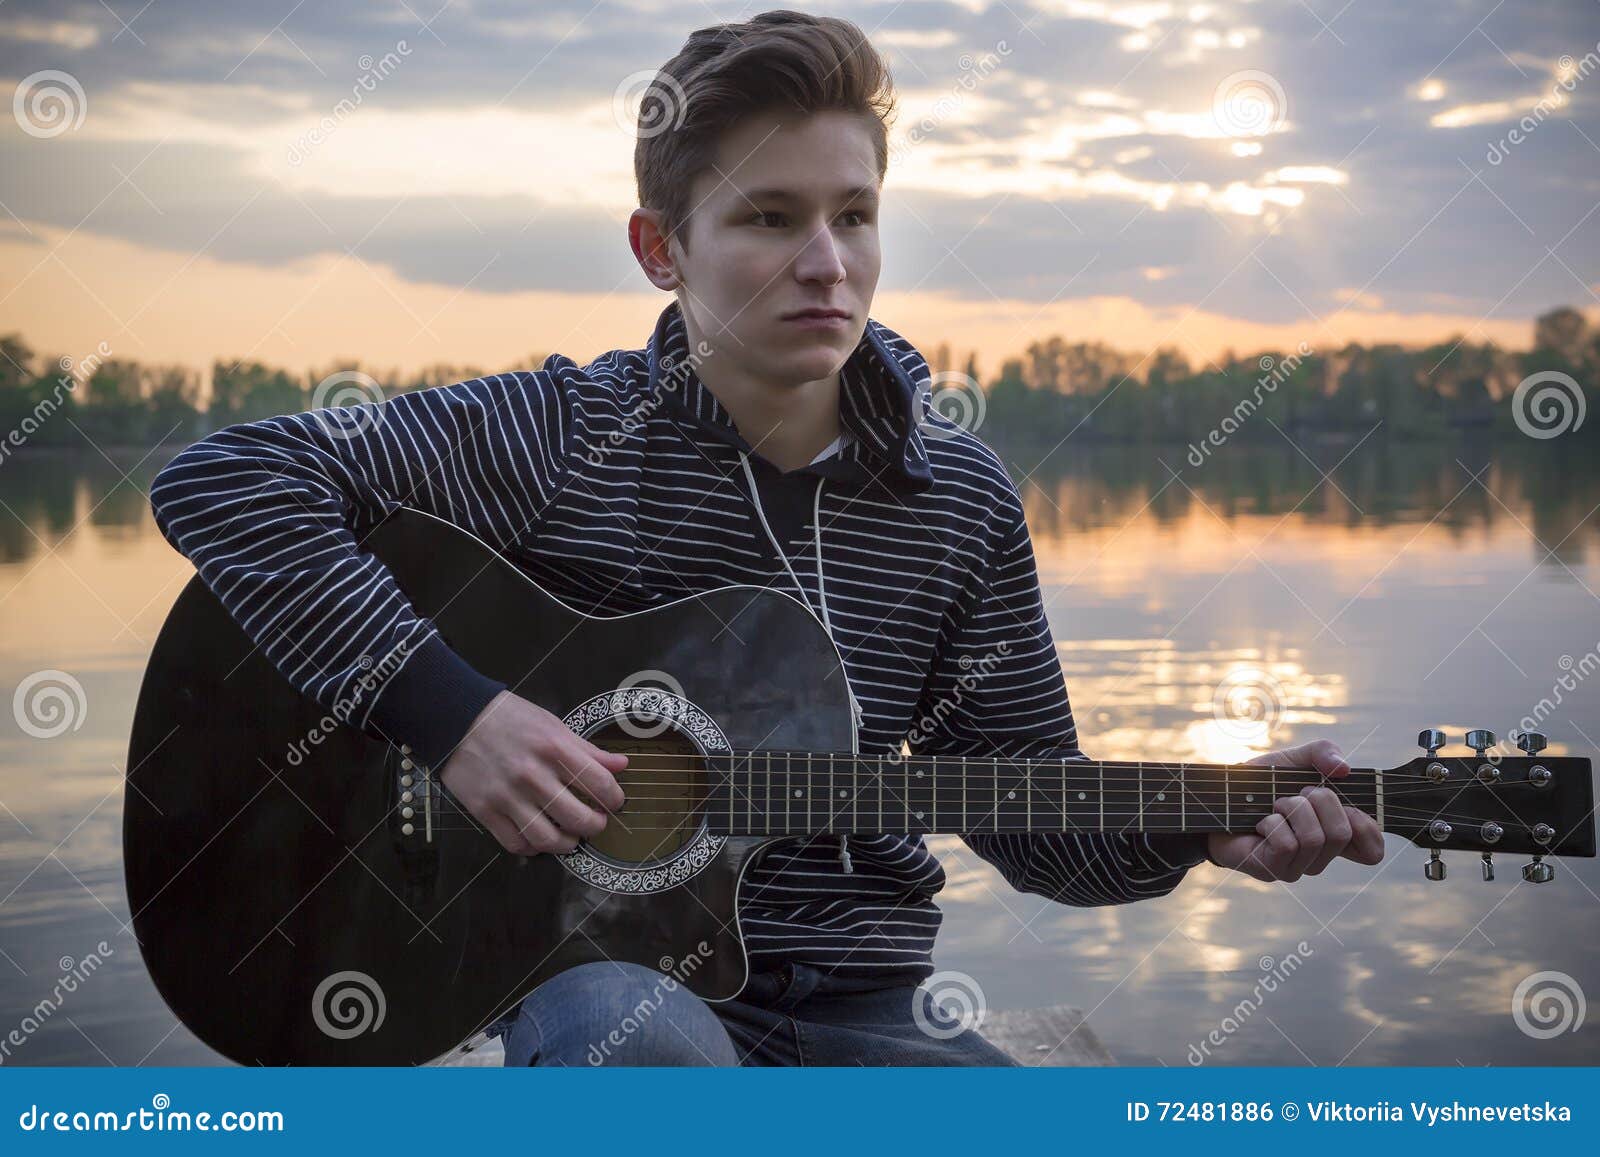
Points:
x=809 y=365
x=813 y=349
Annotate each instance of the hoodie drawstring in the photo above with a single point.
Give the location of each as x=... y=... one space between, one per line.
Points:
x=822 y=594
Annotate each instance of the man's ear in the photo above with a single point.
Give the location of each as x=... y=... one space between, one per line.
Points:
x=651 y=249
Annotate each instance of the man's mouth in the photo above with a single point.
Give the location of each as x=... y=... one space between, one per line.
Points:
x=818 y=317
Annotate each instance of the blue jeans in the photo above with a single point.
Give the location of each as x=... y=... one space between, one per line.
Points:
x=610 y=1013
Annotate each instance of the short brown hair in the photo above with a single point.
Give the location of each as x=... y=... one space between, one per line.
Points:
x=781 y=60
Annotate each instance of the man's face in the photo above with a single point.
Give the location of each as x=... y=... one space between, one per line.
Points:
x=786 y=221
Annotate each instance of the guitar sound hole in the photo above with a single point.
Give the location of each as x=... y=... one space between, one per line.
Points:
x=665 y=788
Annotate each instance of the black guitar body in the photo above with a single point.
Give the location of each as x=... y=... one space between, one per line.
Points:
x=288 y=913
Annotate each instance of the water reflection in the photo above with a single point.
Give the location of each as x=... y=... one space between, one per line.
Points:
x=1200 y=614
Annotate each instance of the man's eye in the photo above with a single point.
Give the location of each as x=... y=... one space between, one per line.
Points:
x=859 y=214
x=769 y=213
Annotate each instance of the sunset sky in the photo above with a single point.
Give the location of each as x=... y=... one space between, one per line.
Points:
x=179 y=181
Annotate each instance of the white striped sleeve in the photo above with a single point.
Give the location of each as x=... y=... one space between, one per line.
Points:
x=996 y=688
x=272 y=513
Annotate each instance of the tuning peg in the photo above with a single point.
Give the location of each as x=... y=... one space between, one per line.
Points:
x=1480 y=740
x=1432 y=740
x=1434 y=868
x=1537 y=872
x=1488 y=865
x=1532 y=742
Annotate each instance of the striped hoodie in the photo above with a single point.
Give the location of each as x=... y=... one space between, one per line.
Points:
x=622 y=484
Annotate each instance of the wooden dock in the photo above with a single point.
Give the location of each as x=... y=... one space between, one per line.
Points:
x=1056 y=1036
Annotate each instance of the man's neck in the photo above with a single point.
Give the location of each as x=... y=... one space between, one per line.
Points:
x=787 y=425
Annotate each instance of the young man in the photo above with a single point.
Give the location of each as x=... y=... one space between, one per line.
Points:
x=769 y=433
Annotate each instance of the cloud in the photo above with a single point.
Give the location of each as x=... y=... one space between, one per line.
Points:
x=1055 y=161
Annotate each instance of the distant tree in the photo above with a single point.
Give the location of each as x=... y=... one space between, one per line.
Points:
x=174 y=404
x=249 y=391
x=16 y=362
x=1564 y=332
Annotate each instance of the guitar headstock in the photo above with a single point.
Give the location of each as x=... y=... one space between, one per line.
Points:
x=1492 y=802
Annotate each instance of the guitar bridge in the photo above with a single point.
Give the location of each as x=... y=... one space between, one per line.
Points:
x=417 y=795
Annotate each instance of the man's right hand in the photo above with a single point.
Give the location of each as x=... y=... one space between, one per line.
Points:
x=515 y=771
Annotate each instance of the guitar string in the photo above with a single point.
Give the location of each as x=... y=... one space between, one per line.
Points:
x=1175 y=772
x=1421 y=818
x=1232 y=783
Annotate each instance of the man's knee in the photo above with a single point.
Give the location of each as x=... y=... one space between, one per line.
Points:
x=614 y=1013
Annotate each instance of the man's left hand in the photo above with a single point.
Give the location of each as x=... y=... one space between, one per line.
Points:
x=1306 y=832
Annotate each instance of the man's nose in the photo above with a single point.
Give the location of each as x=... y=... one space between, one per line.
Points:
x=819 y=260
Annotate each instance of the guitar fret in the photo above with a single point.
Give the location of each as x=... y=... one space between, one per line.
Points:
x=1047 y=804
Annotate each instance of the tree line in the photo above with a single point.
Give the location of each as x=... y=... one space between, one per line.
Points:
x=1055 y=389
x=1091 y=391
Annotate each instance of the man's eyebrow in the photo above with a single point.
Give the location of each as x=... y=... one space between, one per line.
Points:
x=774 y=194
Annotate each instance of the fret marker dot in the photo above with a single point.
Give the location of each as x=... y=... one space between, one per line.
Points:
x=1082 y=796
x=841 y=793
x=1011 y=795
x=797 y=793
x=919 y=773
x=918 y=815
x=1249 y=799
x=1161 y=795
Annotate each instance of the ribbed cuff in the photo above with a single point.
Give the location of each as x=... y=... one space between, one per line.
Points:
x=431 y=701
x=1180 y=849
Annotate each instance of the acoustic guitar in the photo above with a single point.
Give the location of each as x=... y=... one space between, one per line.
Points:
x=306 y=894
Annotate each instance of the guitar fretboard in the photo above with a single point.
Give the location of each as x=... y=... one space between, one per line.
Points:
x=777 y=793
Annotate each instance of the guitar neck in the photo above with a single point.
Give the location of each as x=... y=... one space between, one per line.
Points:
x=757 y=793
